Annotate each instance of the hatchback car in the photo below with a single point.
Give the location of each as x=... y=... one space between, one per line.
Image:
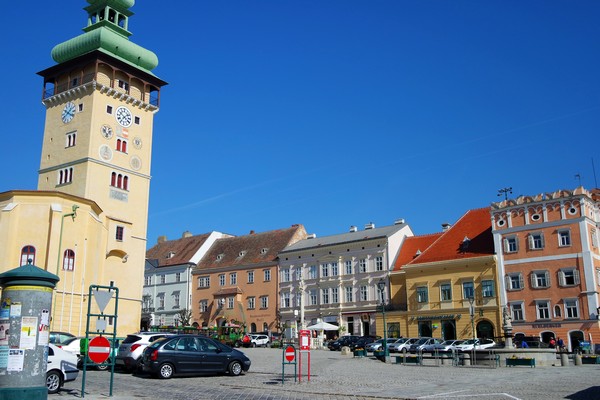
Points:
x=61 y=368
x=445 y=346
x=477 y=344
x=341 y=342
x=401 y=345
x=424 y=341
x=130 y=351
x=60 y=337
x=259 y=340
x=192 y=355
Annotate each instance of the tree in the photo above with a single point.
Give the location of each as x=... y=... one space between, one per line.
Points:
x=184 y=317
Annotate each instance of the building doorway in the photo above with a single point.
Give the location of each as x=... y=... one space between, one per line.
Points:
x=448 y=330
x=425 y=329
x=485 y=330
x=575 y=339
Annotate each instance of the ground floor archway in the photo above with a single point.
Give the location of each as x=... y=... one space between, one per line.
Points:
x=448 y=329
x=485 y=330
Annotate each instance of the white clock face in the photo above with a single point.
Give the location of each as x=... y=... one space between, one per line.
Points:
x=123 y=116
x=68 y=112
x=107 y=131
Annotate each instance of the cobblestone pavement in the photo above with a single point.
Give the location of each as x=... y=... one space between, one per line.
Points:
x=334 y=377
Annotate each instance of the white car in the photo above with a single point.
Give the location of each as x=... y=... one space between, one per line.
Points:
x=477 y=344
x=402 y=345
x=61 y=368
x=376 y=345
x=72 y=345
x=259 y=340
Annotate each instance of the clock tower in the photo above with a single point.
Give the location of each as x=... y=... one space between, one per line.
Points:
x=100 y=99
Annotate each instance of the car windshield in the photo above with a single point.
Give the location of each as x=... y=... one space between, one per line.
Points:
x=471 y=341
x=422 y=341
x=400 y=341
x=448 y=342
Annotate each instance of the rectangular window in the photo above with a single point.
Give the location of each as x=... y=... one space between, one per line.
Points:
x=312 y=272
x=109 y=109
x=594 y=238
x=334 y=269
x=203 y=281
x=136 y=120
x=312 y=297
x=203 y=305
x=161 y=302
x=487 y=288
x=362 y=265
x=324 y=270
x=285 y=299
x=517 y=312
x=325 y=296
x=230 y=302
x=123 y=85
x=222 y=280
x=298 y=273
x=468 y=290
x=514 y=281
x=251 y=303
x=349 y=296
x=163 y=279
x=348 y=267
x=568 y=277
x=119 y=233
x=564 y=238
x=71 y=138
x=379 y=263
x=178 y=277
x=422 y=294
x=571 y=309
x=536 y=241
x=176 y=299
x=446 y=292
x=511 y=244
x=543 y=309
x=80 y=107
x=540 y=279
x=148 y=280
x=251 y=277
x=334 y=295
x=233 y=278
x=285 y=275
x=267 y=273
x=264 y=302
x=364 y=293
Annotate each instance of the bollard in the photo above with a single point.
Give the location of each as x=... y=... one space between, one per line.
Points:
x=577 y=358
x=25 y=316
x=445 y=359
x=564 y=359
x=466 y=360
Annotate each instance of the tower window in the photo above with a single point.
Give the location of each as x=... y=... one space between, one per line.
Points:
x=80 y=107
x=65 y=176
x=109 y=109
x=123 y=85
x=119 y=181
x=27 y=253
x=119 y=233
x=74 y=82
x=69 y=260
x=136 y=120
x=70 y=139
x=122 y=145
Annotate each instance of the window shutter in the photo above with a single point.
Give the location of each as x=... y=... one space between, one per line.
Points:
x=561 y=278
x=547 y=279
x=542 y=240
x=576 y=276
x=516 y=244
x=533 y=278
x=506 y=249
x=521 y=283
x=507 y=282
x=530 y=239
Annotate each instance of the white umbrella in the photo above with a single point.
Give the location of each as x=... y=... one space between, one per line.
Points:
x=323 y=326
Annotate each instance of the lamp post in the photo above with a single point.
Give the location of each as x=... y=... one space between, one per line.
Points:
x=472 y=313
x=381 y=286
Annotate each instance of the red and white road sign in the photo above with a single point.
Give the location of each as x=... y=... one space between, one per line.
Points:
x=290 y=353
x=99 y=349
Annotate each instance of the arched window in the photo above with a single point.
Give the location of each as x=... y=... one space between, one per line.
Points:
x=69 y=260
x=557 y=311
x=113 y=179
x=265 y=327
x=253 y=327
x=27 y=253
x=125 y=182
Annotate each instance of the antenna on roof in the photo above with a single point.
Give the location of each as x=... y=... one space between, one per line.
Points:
x=578 y=177
x=505 y=191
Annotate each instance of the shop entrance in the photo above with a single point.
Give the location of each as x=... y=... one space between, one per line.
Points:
x=425 y=328
x=448 y=330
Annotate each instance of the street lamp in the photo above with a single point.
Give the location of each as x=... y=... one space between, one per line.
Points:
x=472 y=313
x=381 y=286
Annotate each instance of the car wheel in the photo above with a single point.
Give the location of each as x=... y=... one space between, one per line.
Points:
x=235 y=368
x=53 y=381
x=166 y=371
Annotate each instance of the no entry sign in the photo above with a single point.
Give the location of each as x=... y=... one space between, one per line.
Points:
x=290 y=353
x=99 y=349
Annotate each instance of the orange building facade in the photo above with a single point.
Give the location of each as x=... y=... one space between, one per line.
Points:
x=549 y=265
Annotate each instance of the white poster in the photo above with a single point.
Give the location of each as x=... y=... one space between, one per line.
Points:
x=28 y=332
x=16 y=357
x=15 y=310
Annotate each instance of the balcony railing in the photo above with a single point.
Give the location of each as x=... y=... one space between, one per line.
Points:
x=147 y=310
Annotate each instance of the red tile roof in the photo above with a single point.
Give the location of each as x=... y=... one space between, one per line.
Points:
x=256 y=248
x=411 y=246
x=476 y=225
x=182 y=250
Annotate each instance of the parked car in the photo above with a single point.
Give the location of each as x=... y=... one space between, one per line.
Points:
x=401 y=345
x=192 y=355
x=478 y=344
x=130 y=351
x=114 y=348
x=424 y=341
x=377 y=344
x=362 y=342
x=60 y=337
x=61 y=368
x=445 y=346
x=259 y=340
x=341 y=342
x=71 y=345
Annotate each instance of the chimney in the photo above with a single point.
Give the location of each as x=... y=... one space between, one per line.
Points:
x=446 y=226
x=370 y=225
x=311 y=236
x=399 y=221
x=252 y=232
x=353 y=228
x=186 y=234
x=161 y=239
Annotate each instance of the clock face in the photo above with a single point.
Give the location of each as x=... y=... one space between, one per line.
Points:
x=123 y=116
x=107 y=131
x=68 y=112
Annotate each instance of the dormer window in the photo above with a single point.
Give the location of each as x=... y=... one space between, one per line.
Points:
x=264 y=250
x=465 y=244
x=170 y=254
x=242 y=253
x=220 y=257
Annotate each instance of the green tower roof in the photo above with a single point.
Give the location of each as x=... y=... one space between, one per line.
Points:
x=107 y=31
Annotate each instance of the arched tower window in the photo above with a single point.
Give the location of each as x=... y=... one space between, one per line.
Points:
x=69 y=260
x=27 y=253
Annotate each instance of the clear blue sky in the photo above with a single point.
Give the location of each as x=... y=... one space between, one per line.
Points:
x=334 y=113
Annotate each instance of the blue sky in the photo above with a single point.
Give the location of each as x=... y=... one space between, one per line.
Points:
x=334 y=113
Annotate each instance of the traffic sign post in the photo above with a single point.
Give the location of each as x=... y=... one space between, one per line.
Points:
x=288 y=357
x=304 y=339
x=99 y=349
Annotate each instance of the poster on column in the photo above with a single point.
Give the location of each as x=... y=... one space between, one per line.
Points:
x=4 y=325
x=44 y=329
x=16 y=357
x=28 y=332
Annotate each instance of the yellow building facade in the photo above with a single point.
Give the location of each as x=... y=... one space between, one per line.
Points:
x=87 y=221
